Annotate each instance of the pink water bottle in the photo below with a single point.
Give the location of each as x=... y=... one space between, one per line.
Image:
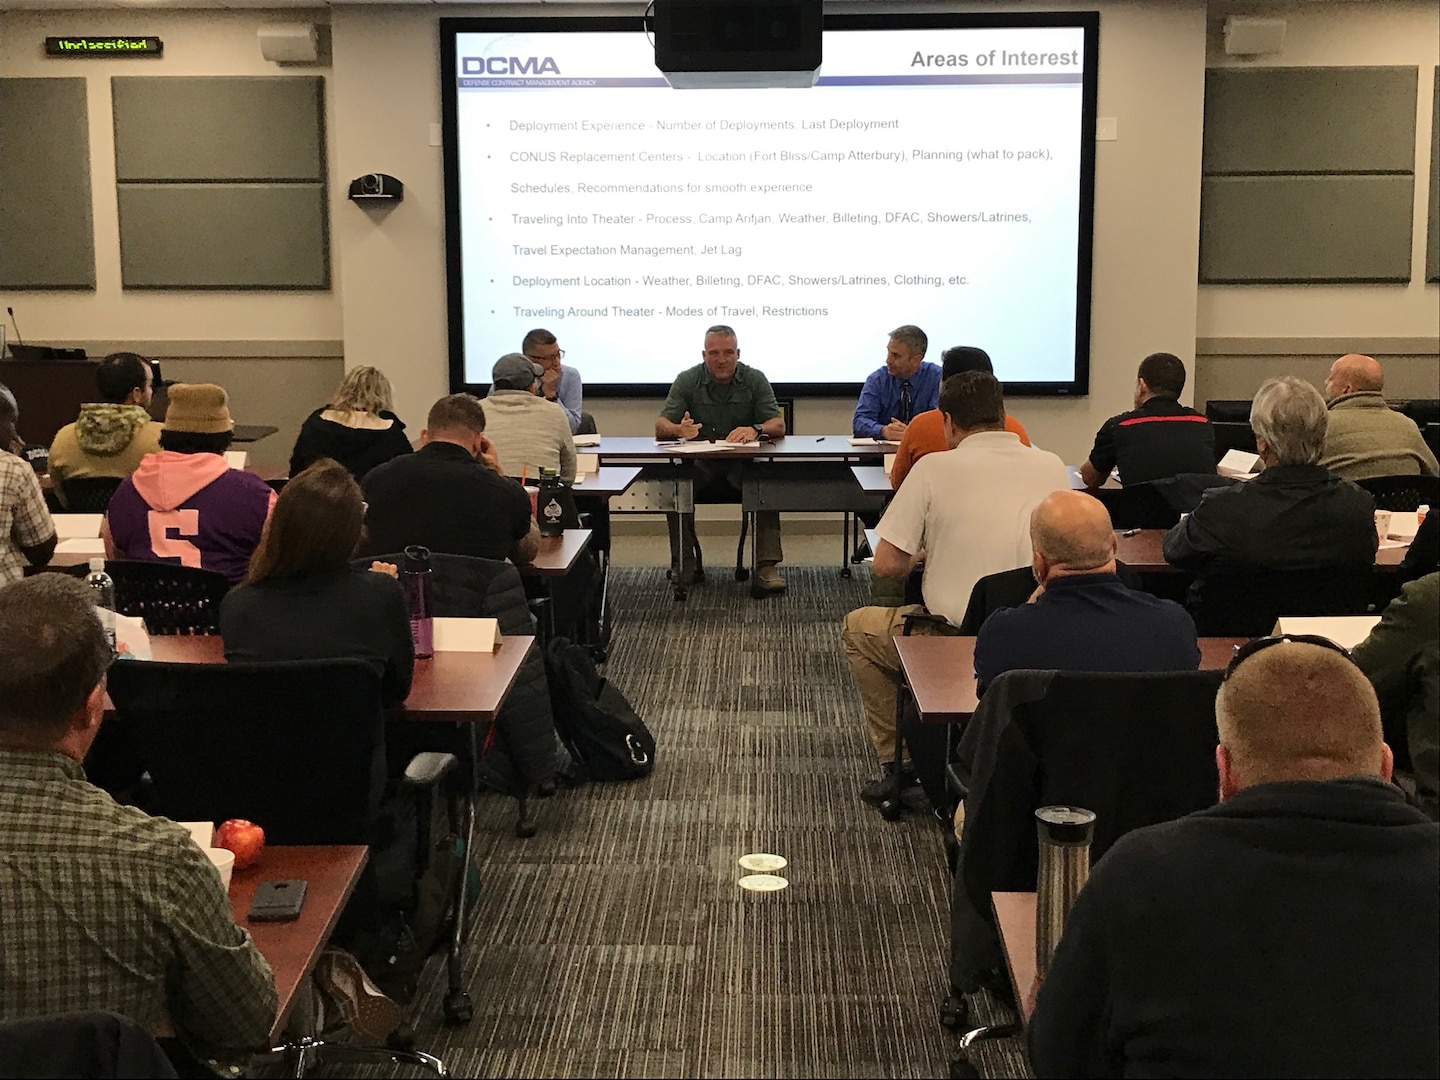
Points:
x=416 y=578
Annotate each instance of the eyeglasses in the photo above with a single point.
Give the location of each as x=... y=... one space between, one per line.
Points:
x=1260 y=644
x=560 y=355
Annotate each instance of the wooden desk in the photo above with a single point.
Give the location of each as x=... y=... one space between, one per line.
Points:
x=1143 y=552
x=293 y=948
x=449 y=687
x=557 y=554
x=872 y=479
x=1015 y=919
x=606 y=482
x=940 y=672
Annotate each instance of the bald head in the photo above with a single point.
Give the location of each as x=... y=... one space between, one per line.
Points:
x=1295 y=711
x=1352 y=374
x=1071 y=534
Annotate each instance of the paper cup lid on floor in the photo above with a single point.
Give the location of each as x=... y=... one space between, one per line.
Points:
x=761 y=863
x=762 y=883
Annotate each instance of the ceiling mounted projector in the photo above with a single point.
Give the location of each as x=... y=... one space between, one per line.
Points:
x=738 y=43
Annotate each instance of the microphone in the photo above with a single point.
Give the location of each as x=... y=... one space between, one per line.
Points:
x=11 y=312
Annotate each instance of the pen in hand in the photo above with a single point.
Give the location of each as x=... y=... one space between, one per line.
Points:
x=1131 y=532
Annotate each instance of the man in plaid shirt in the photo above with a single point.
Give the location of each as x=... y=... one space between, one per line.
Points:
x=105 y=908
x=27 y=535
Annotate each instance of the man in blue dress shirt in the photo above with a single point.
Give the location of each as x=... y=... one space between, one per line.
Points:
x=560 y=383
x=903 y=388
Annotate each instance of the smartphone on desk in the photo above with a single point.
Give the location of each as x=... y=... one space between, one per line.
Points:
x=277 y=901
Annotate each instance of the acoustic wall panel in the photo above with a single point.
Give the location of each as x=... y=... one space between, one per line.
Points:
x=1309 y=120
x=220 y=128
x=223 y=236
x=1282 y=229
x=1432 y=244
x=47 y=236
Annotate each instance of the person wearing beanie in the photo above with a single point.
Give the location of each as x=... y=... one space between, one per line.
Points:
x=111 y=435
x=529 y=433
x=185 y=505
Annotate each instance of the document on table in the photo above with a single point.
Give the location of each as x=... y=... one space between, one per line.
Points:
x=704 y=447
x=1238 y=465
x=857 y=440
x=592 y=439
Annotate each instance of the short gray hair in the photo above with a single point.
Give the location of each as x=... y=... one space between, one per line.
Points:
x=912 y=337
x=53 y=653
x=1289 y=414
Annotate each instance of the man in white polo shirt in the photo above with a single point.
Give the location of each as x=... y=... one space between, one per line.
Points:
x=966 y=513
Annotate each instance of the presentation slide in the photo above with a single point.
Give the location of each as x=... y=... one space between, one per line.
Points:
x=931 y=176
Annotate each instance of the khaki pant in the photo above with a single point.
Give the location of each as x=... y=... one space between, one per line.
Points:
x=869 y=638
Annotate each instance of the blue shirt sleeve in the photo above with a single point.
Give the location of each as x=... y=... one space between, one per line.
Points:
x=569 y=394
x=868 y=419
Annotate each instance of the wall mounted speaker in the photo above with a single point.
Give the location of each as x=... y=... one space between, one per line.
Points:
x=289 y=43
x=1246 y=36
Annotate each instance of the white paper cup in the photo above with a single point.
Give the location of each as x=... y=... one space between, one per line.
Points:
x=224 y=863
x=1382 y=524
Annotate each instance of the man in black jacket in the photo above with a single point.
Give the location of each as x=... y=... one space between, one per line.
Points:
x=1292 y=930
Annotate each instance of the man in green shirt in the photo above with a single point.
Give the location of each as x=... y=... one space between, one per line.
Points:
x=106 y=908
x=722 y=399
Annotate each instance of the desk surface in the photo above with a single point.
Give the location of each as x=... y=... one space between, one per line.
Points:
x=449 y=687
x=248 y=433
x=292 y=948
x=558 y=553
x=800 y=446
x=1015 y=918
x=940 y=672
x=606 y=482
x=872 y=479
x=1143 y=553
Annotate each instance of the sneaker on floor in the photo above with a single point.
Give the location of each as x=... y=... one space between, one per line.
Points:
x=768 y=579
x=370 y=1014
x=877 y=791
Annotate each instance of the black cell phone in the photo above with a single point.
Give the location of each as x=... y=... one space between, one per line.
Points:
x=277 y=901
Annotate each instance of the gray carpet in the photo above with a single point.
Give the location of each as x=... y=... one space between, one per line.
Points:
x=616 y=942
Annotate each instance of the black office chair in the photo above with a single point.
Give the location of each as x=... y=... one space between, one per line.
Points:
x=1424 y=411
x=87 y=494
x=1138 y=506
x=1136 y=749
x=1431 y=434
x=1247 y=605
x=297 y=746
x=1403 y=493
x=90 y=1044
x=170 y=598
x=1228 y=410
x=1233 y=436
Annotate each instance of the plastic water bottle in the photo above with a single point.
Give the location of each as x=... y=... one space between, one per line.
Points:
x=104 y=589
x=1065 y=834
x=417 y=579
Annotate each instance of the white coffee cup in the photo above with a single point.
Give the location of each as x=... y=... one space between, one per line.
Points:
x=1382 y=524
x=224 y=863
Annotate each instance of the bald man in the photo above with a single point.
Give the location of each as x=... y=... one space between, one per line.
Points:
x=1364 y=436
x=1291 y=930
x=1082 y=617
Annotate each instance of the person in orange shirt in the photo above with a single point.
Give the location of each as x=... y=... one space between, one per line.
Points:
x=926 y=433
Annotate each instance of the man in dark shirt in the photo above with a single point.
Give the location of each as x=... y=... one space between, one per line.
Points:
x=451 y=495
x=1291 y=930
x=1159 y=438
x=1082 y=617
x=1295 y=515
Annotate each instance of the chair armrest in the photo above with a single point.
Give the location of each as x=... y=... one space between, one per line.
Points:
x=429 y=768
x=922 y=618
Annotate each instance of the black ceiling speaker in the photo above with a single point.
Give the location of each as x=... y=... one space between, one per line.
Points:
x=738 y=43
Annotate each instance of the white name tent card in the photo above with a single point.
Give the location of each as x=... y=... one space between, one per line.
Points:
x=467 y=635
x=81 y=545
x=587 y=440
x=237 y=459
x=889 y=463
x=1346 y=630
x=1238 y=464
x=78 y=526
x=586 y=465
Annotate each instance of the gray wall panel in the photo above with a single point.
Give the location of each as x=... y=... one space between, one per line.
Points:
x=1313 y=228
x=1432 y=245
x=47 y=237
x=1312 y=119
x=223 y=236
x=220 y=128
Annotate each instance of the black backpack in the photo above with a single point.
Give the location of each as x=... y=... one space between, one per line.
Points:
x=597 y=725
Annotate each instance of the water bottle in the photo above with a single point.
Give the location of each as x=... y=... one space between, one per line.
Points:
x=104 y=590
x=549 y=511
x=1065 y=834
x=416 y=579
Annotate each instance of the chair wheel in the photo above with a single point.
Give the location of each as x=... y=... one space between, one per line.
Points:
x=525 y=828
x=846 y=572
x=458 y=1009
x=679 y=592
x=961 y=1069
x=892 y=809
x=954 y=1010
x=742 y=573
x=545 y=789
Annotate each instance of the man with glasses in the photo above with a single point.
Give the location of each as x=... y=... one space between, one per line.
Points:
x=559 y=382
x=722 y=399
x=1291 y=930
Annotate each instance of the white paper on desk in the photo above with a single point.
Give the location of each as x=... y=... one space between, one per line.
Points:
x=587 y=440
x=237 y=459
x=467 y=635
x=1346 y=630
x=81 y=545
x=586 y=464
x=202 y=832
x=859 y=440
x=78 y=526
x=131 y=637
x=1238 y=464
x=889 y=463
x=706 y=447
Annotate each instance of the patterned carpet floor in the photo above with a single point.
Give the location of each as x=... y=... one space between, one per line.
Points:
x=616 y=943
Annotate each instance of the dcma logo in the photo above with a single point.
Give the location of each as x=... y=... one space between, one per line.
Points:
x=508 y=65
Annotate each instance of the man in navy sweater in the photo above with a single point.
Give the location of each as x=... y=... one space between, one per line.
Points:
x=1291 y=930
x=1082 y=617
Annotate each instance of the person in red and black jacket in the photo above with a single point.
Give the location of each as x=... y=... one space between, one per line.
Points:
x=1159 y=438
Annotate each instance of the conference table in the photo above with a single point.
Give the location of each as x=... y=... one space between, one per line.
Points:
x=1142 y=550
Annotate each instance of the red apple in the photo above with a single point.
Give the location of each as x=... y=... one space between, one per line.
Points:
x=244 y=838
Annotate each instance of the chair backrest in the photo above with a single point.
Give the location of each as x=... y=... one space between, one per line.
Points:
x=1232 y=436
x=1402 y=493
x=296 y=746
x=1228 y=410
x=1247 y=605
x=1136 y=749
x=1422 y=410
x=1138 y=506
x=1431 y=434
x=90 y=1044
x=1007 y=589
x=466 y=587
x=88 y=494
x=172 y=599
